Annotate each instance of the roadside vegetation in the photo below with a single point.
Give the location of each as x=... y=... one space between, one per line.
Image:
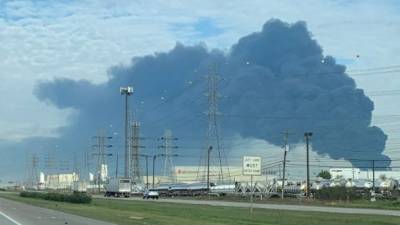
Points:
x=324 y=174
x=339 y=194
x=328 y=197
x=153 y=212
x=59 y=197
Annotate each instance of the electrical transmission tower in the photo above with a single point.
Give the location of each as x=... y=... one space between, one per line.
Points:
x=100 y=147
x=217 y=156
x=135 y=147
x=168 y=146
x=77 y=169
x=31 y=173
x=86 y=164
x=50 y=165
x=63 y=167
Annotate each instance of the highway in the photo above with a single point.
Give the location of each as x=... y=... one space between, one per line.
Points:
x=273 y=206
x=15 y=213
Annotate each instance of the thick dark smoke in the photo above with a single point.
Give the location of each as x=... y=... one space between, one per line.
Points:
x=274 y=80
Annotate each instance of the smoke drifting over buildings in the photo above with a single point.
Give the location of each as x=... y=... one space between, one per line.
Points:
x=274 y=80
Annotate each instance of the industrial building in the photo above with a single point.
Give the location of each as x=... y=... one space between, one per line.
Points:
x=61 y=181
x=192 y=174
x=358 y=174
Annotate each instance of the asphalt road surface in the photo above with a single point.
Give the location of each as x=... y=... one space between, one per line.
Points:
x=275 y=206
x=15 y=213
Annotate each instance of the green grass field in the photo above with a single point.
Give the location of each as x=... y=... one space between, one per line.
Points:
x=149 y=213
x=362 y=203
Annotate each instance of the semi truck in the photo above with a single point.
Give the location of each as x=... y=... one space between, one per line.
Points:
x=118 y=187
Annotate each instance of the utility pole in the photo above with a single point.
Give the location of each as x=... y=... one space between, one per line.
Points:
x=307 y=136
x=127 y=91
x=154 y=165
x=168 y=146
x=116 y=167
x=286 y=149
x=208 y=168
x=147 y=170
x=373 y=176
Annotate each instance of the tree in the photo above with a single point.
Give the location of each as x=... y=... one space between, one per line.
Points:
x=324 y=174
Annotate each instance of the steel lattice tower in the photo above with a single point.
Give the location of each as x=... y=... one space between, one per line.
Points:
x=50 y=165
x=100 y=151
x=218 y=158
x=31 y=172
x=134 y=152
x=168 y=147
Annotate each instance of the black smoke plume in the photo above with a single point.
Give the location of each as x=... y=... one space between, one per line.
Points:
x=271 y=81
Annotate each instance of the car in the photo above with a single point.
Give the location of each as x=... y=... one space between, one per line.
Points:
x=150 y=194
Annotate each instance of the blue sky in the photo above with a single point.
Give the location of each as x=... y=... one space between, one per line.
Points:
x=203 y=27
x=43 y=40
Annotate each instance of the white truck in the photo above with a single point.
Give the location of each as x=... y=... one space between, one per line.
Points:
x=118 y=187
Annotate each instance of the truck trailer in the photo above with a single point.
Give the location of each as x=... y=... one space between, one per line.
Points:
x=118 y=187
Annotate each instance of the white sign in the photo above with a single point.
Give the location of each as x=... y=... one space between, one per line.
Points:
x=251 y=165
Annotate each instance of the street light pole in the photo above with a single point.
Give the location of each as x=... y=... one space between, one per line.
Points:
x=127 y=91
x=308 y=135
x=154 y=162
x=286 y=148
x=373 y=175
x=147 y=171
x=116 y=168
x=208 y=168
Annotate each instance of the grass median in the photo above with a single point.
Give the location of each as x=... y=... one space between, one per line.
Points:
x=152 y=213
x=359 y=203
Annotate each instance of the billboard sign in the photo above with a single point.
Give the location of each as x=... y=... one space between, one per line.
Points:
x=251 y=165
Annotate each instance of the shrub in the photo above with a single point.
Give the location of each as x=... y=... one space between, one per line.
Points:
x=31 y=194
x=324 y=174
x=59 y=197
x=337 y=193
x=79 y=198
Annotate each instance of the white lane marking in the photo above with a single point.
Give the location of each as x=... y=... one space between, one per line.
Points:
x=10 y=219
